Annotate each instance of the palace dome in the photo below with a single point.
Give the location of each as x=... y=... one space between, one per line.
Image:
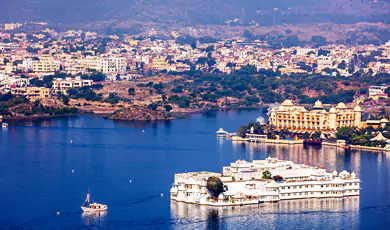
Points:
x=357 y=109
x=353 y=175
x=341 y=105
x=332 y=110
x=318 y=104
x=261 y=120
x=287 y=103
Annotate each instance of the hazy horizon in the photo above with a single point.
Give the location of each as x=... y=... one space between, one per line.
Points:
x=195 y=11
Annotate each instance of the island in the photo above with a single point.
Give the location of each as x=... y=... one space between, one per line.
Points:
x=269 y=180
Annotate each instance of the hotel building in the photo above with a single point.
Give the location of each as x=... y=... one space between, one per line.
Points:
x=297 y=118
x=244 y=183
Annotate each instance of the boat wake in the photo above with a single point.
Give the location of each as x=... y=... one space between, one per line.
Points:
x=137 y=201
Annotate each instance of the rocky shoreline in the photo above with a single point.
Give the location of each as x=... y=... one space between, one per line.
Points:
x=129 y=114
x=140 y=114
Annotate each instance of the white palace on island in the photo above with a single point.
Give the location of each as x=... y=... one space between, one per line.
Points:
x=244 y=183
x=297 y=118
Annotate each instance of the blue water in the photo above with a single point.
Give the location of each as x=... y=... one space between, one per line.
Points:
x=36 y=179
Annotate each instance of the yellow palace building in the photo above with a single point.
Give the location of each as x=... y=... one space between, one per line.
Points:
x=297 y=118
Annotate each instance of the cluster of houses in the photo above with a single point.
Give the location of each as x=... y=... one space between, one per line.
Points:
x=27 y=55
x=20 y=86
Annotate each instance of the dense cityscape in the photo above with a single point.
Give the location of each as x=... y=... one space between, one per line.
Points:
x=81 y=71
x=195 y=114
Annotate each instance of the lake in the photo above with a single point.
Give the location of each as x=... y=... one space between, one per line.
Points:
x=36 y=180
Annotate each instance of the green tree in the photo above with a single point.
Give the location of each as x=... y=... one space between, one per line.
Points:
x=342 y=65
x=267 y=175
x=153 y=106
x=63 y=98
x=242 y=130
x=112 y=98
x=131 y=91
x=168 y=108
x=347 y=134
x=214 y=186
x=316 y=136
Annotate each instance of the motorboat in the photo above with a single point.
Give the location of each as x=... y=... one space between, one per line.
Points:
x=90 y=206
x=4 y=125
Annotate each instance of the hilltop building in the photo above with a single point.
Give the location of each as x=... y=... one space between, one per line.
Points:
x=12 y=26
x=377 y=91
x=297 y=118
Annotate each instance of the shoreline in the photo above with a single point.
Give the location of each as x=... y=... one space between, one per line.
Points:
x=257 y=202
x=36 y=117
x=176 y=115
x=377 y=149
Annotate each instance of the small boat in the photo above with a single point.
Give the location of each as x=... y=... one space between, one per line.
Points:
x=4 y=125
x=230 y=135
x=222 y=133
x=312 y=142
x=90 y=206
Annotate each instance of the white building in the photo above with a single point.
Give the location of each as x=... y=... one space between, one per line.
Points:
x=63 y=85
x=377 y=91
x=113 y=64
x=27 y=63
x=7 y=81
x=304 y=51
x=244 y=183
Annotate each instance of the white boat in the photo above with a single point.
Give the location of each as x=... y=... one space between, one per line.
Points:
x=222 y=133
x=4 y=125
x=90 y=206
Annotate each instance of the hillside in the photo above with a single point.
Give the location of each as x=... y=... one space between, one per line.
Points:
x=196 y=11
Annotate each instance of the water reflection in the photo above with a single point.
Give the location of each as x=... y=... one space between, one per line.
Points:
x=331 y=157
x=93 y=218
x=142 y=124
x=263 y=215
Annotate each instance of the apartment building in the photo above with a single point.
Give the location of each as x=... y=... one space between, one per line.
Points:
x=91 y=62
x=7 y=81
x=62 y=85
x=45 y=64
x=324 y=62
x=32 y=93
x=377 y=91
x=304 y=51
x=159 y=63
x=113 y=64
